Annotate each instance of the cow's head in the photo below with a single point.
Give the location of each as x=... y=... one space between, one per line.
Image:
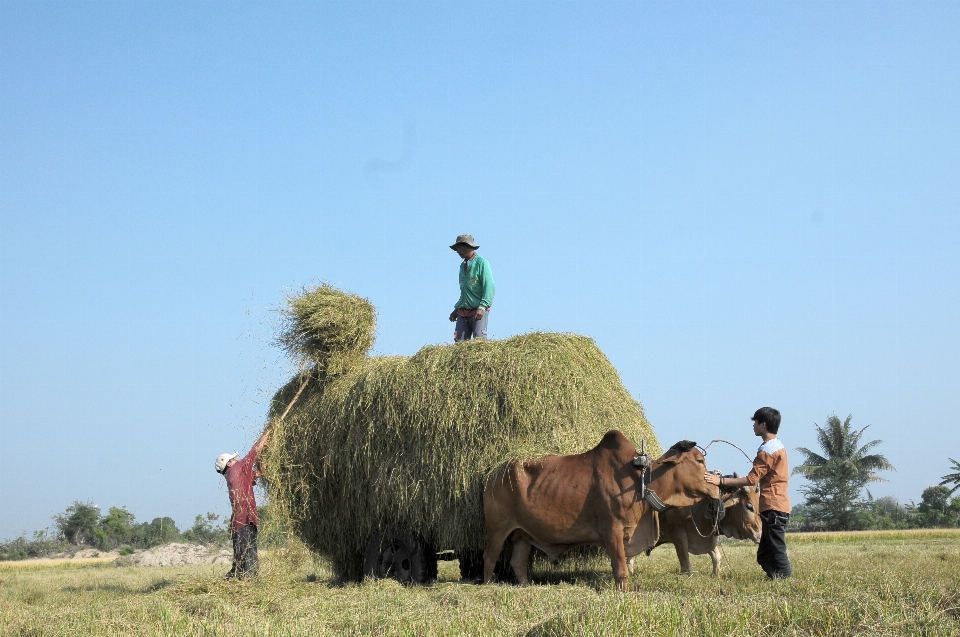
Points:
x=742 y=519
x=677 y=476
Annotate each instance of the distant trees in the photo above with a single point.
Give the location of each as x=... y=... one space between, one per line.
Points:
x=159 y=531
x=82 y=525
x=952 y=478
x=936 y=509
x=838 y=477
x=885 y=513
x=78 y=524
x=207 y=530
x=21 y=548
x=118 y=525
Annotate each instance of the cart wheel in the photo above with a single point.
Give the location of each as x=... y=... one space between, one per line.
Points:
x=401 y=555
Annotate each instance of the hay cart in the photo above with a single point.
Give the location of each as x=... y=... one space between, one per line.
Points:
x=380 y=463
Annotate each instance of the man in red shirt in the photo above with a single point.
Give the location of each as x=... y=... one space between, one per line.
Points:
x=241 y=475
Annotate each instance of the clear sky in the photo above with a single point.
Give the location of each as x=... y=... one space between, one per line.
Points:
x=745 y=204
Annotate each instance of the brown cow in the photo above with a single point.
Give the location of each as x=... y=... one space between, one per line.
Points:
x=558 y=502
x=686 y=527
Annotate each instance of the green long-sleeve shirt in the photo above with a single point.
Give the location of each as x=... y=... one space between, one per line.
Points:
x=476 y=284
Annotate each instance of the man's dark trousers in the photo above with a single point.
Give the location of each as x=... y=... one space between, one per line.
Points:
x=772 y=552
x=245 y=562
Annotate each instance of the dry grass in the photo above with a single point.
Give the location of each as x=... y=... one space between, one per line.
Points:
x=409 y=441
x=861 y=584
x=847 y=536
x=56 y=561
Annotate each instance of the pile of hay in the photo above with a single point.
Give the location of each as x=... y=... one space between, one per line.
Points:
x=410 y=441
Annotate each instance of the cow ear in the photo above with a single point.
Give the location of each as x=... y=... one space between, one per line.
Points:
x=671 y=457
x=736 y=475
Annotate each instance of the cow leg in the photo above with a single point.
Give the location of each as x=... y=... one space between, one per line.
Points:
x=520 y=560
x=715 y=557
x=618 y=559
x=683 y=553
x=495 y=540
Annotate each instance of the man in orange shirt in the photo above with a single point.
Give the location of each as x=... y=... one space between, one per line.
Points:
x=771 y=472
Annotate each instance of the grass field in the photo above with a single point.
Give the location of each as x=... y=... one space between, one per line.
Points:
x=874 y=583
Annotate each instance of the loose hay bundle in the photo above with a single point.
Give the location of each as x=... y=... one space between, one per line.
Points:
x=410 y=441
x=326 y=328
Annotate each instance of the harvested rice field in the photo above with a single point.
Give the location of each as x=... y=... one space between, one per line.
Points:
x=875 y=583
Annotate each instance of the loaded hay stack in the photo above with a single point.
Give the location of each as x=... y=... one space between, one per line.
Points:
x=408 y=442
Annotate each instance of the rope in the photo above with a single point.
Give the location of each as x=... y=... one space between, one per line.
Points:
x=723 y=556
x=716 y=525
x=749 y=459
x=718 y=513
x=716 y=532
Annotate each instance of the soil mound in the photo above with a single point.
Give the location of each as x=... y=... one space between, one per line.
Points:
x=177 y=554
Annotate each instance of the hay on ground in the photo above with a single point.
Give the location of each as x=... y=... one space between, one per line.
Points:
x=410 y=441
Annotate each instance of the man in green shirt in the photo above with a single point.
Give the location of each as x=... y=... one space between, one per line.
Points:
x=476 y=291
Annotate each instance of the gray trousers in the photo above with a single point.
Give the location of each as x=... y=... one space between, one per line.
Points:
x=245 y=562
x=468 y=327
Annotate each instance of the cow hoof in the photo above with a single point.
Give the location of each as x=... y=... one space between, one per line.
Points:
x=400 y=555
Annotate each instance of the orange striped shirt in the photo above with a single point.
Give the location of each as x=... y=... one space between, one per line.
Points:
x=771 y=472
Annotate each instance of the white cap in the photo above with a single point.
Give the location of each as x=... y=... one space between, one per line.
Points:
x=223 y=459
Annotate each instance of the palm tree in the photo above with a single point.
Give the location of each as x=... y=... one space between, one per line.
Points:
x=953 y=477
x=838 y=477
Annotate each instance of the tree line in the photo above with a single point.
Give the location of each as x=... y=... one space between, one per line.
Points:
x=82 y=525
x=837 y=479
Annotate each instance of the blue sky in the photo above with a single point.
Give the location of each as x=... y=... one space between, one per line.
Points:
x=745 y=204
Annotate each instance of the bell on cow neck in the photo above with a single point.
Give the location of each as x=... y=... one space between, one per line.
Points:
x=643 y=460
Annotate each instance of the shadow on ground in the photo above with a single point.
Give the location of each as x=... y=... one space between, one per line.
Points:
x=557 y=625
x=119 y=588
